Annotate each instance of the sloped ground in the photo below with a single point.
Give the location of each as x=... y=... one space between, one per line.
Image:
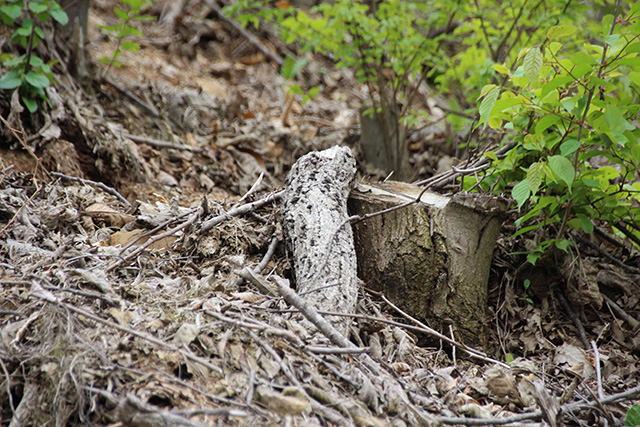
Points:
x=124 y=307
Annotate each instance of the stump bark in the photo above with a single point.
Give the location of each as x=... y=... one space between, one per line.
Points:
x=320 y=238
x=432 y=259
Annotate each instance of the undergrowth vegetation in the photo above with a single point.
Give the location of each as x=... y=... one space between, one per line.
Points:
x=27 y=73
x=556 y=81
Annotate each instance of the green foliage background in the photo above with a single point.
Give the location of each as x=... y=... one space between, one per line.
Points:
x=557 y=81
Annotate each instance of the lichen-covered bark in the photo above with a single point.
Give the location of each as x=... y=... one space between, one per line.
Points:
x=320 y=238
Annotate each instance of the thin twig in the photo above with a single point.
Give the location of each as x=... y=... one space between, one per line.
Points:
x=8 y=384
x=99 y=185
x=596 y=354
x=241 y=210
x=336 y=350
x=311 y=314
x=263 y=263
x=620 y=312
x=148 y=107
x=611 y=258
x=574 y=319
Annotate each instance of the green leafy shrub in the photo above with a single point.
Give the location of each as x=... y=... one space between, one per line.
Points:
x=553 y=82
x=572 y=113
x=384 y=47
x=131 y=11
x=28 y=73
x=289 y=70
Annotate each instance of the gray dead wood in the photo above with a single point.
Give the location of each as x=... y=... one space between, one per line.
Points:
x=432 y=258
x=320 y=238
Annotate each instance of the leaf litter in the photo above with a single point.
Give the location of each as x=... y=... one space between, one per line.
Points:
x=132 y=309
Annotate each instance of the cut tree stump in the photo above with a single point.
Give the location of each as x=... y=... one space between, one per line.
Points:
x=432 y=258
x=318 y=233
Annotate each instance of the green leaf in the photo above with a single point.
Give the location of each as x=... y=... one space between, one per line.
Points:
x=36 y=61
x=534 y=177
x=121 y=14
x=554 y=47
x=569 y=147
x=633 y=416
x=491 y=155
x=560 y=31
x=11 y=10
x=31 y=104
x=37 y=7
x=554 y=84
x=129 y=30
x=110 y=28
x=521 y=192
x=568 y=105
x=563 y=244
x=11 y=80
x=613 y=117
x=586 y=223
x=58 y=14
x=36 y=79
x=144 y=18
x=487 y=104
x=612 y=39
x=532 y=258
x=635 y=152
x=584 y=59
x=545 y=122
x=533 y=63
x=500 y=68
x=633 y=48
x=563 y=169
x=130 y=46
x=486 y=89
x=292 y=67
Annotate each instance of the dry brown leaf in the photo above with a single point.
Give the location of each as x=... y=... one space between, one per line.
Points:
x=250 y=297
x=574 y=359
x=123 y=238
x=502 y=383
x=211 y=86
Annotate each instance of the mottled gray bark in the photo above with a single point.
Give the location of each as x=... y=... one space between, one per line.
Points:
x=318 y=233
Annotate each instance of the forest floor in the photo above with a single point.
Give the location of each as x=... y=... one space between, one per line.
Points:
x=120 y=303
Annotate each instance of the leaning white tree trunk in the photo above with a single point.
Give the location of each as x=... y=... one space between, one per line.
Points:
x=320 y=238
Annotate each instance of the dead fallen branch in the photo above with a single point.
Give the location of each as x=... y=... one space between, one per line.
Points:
x=370 y=372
